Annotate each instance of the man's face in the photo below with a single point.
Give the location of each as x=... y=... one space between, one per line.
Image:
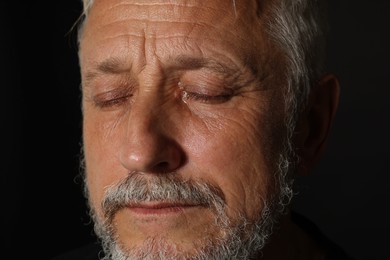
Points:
x=179 y=91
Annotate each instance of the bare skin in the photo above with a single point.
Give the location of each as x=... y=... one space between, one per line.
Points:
x=184 y=87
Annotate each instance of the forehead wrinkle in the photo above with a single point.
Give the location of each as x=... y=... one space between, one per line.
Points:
x=131 y=20
x=171 y=4
x=189 y=32
x=130 y=12
x=136 y=31
x=138 y=27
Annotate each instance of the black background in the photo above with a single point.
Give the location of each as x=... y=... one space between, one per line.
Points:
x=42 y=208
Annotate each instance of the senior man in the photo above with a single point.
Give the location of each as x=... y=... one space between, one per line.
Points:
x=197 y=116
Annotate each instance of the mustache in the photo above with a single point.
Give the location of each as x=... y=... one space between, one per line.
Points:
x=137 y=188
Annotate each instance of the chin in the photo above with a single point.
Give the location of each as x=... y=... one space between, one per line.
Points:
x=242 y=240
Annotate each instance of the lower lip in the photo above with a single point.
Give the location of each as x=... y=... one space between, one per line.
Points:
x=159 y=211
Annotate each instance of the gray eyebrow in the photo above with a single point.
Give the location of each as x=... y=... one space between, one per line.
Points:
x=115 y=65
x=189 y=62
x=111 y=65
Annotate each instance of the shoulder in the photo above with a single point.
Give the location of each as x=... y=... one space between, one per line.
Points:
x=88 y=252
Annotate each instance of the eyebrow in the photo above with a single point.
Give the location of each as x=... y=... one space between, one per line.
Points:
x=114 y=65
x=193 y=63
x=239 y=74
x=111 y=65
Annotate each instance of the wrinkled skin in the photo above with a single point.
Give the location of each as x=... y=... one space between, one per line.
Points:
x=190 y=87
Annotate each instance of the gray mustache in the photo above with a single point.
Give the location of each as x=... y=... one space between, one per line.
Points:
x=169 y=187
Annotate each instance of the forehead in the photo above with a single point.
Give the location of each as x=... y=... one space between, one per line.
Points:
x=158 y=7
x=226 y=27
x=159 y=16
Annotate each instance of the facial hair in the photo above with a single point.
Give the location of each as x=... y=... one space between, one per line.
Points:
x=242 y=239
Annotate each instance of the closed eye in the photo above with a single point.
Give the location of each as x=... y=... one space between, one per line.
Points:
x=112 y=103
x=204 y=98
x=112 y=99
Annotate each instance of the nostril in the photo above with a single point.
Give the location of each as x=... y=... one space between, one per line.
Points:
x=163 y=167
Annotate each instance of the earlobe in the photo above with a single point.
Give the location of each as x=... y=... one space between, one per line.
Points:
x=315 y=124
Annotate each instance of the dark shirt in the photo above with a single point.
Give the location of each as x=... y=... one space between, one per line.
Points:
x=334 y=252
x=91 y=251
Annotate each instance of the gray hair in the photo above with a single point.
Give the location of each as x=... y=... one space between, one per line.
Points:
x=298 y=28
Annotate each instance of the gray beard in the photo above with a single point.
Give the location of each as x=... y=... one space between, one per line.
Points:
x=243 y=240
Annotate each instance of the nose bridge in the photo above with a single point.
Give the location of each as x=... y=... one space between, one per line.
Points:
x=149 y=145
x=144 y=116
x=146 y=110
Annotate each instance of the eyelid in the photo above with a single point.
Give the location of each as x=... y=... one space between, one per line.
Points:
x=186 y=95
x=204 y=89
x=204 y=94
x=111 y=98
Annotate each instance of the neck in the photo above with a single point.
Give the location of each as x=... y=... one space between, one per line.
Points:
x=290 y=242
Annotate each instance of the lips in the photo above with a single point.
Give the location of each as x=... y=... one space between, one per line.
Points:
x=160 y=208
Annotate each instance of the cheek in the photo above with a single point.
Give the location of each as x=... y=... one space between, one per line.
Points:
x=233 y=155
x=101 y=165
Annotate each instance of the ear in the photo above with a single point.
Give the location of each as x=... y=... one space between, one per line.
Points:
x=315 y=123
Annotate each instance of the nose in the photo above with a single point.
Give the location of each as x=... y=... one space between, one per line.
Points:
x=149 y=144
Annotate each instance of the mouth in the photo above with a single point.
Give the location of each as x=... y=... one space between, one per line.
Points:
x=160 y=208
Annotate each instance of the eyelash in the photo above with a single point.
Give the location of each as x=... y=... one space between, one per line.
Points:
x=111 y=100
x=186 y=95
